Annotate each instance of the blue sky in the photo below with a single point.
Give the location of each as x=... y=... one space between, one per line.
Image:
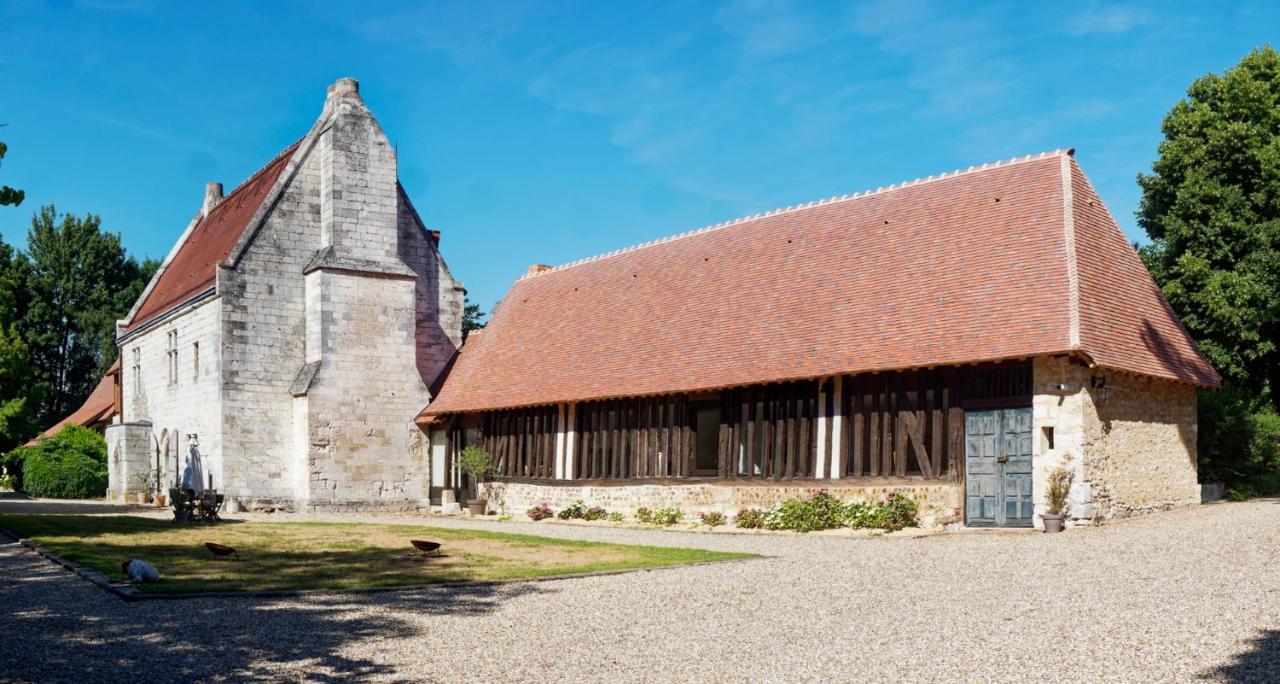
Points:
x=547 y=132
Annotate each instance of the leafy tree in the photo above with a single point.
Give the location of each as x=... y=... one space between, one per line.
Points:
x=8 y=195
x=472 y=318
x=75 y=281
x=16 y=400
x=1211 y=207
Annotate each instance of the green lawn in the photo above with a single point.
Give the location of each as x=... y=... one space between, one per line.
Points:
x=316 y=555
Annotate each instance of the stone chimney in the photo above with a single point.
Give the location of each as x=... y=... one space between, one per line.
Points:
x=212 y=195
x=538 y=268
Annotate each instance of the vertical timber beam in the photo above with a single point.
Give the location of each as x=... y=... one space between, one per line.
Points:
x=820 y=458
x=837 y=426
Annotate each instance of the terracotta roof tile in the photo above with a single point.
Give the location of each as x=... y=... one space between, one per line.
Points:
x=965 y=267
x=99 y=407
x=193 y=269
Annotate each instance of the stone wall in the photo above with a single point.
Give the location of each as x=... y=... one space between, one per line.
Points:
x=264 y=326
x=1140 y=446
x=129 y=456
x=939 y=502
x=307 y=395
x=363 y=444
x=184 y=408
x=1132 y=452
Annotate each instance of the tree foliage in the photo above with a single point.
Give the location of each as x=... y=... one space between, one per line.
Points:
x=472 y=318
x=65 y=294
x=8 y=195
x=17 y=394
x=1211 y=206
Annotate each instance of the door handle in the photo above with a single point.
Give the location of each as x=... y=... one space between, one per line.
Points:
x=1002 y=459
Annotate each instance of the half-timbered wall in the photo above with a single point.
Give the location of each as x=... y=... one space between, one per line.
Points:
x=890 y=425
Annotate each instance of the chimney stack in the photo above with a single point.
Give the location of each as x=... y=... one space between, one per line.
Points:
x=538 y=268
x=344 y=87
x=212 y=195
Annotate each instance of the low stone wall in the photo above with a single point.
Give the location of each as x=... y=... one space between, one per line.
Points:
x=939 y=501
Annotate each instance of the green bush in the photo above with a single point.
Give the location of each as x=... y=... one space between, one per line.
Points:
x=662 y=516
x=12 y=463
x=820 y=511
x=749 y=519
x=898 y=512
x=574 y=511
x=616 y=516
x=70 y=465
x=712 y=518
x=594 y=513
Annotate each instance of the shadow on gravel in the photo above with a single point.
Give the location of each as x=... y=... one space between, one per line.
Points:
x=107 y=640
x=1260 y=663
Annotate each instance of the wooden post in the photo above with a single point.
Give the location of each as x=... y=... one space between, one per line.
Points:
x=873 y=425
x=887 y=399
x=820 y=457
x=837 y=427
x=805 y=466
x=955 y=425
x=901 y=406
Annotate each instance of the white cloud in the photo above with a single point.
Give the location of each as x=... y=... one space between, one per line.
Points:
x=1105 y=19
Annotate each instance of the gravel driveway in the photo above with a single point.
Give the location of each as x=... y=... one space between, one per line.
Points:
x=1174 y=596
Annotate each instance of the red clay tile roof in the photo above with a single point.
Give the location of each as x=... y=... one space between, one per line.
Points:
x=98 y=408
x=193 y=269
x=965 y=267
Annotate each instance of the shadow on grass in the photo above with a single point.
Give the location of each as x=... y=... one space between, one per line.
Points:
x=58 y=627
x=19 y=503
x=40 y=525
x=1260 y=663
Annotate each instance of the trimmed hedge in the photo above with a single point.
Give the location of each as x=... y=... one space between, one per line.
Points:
x=70 y=465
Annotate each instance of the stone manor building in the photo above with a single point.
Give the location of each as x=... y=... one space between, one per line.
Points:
x=956 y=338
x=288 y=340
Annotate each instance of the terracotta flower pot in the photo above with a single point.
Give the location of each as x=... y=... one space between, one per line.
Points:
x=1052 y=523
x=476 y=506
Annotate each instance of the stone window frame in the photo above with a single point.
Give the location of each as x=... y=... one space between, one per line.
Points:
x=137 y=370
x=172 y=354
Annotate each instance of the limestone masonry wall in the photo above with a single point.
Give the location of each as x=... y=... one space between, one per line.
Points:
x=1132 y=452
x=264 y=330
x=170 y=377
x=1140 y=449
x=939 y=502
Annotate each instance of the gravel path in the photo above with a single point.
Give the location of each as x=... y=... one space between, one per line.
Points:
x=1175 y=596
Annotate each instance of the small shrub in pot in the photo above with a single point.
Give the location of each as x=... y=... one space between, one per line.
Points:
x=1056 y=499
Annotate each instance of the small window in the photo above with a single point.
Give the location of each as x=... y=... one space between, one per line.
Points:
x=137 y=368
x=195 y=360
x=172 y=353
x=1046 y=438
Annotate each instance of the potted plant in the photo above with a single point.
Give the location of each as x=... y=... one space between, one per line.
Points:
x=474 y=463
x=143 y=495
x=1056 y=500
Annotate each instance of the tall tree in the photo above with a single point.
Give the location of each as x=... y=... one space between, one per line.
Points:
x=76 y=280
x=1211 y=206
x=472 y=318
x=17 y=401
x=8 y=195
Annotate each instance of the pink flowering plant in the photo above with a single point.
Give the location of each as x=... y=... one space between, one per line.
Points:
x=540 y=512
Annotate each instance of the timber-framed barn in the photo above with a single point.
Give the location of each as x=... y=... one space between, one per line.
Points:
x=955 y=338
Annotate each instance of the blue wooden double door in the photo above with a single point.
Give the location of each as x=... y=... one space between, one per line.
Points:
x=998 y=467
